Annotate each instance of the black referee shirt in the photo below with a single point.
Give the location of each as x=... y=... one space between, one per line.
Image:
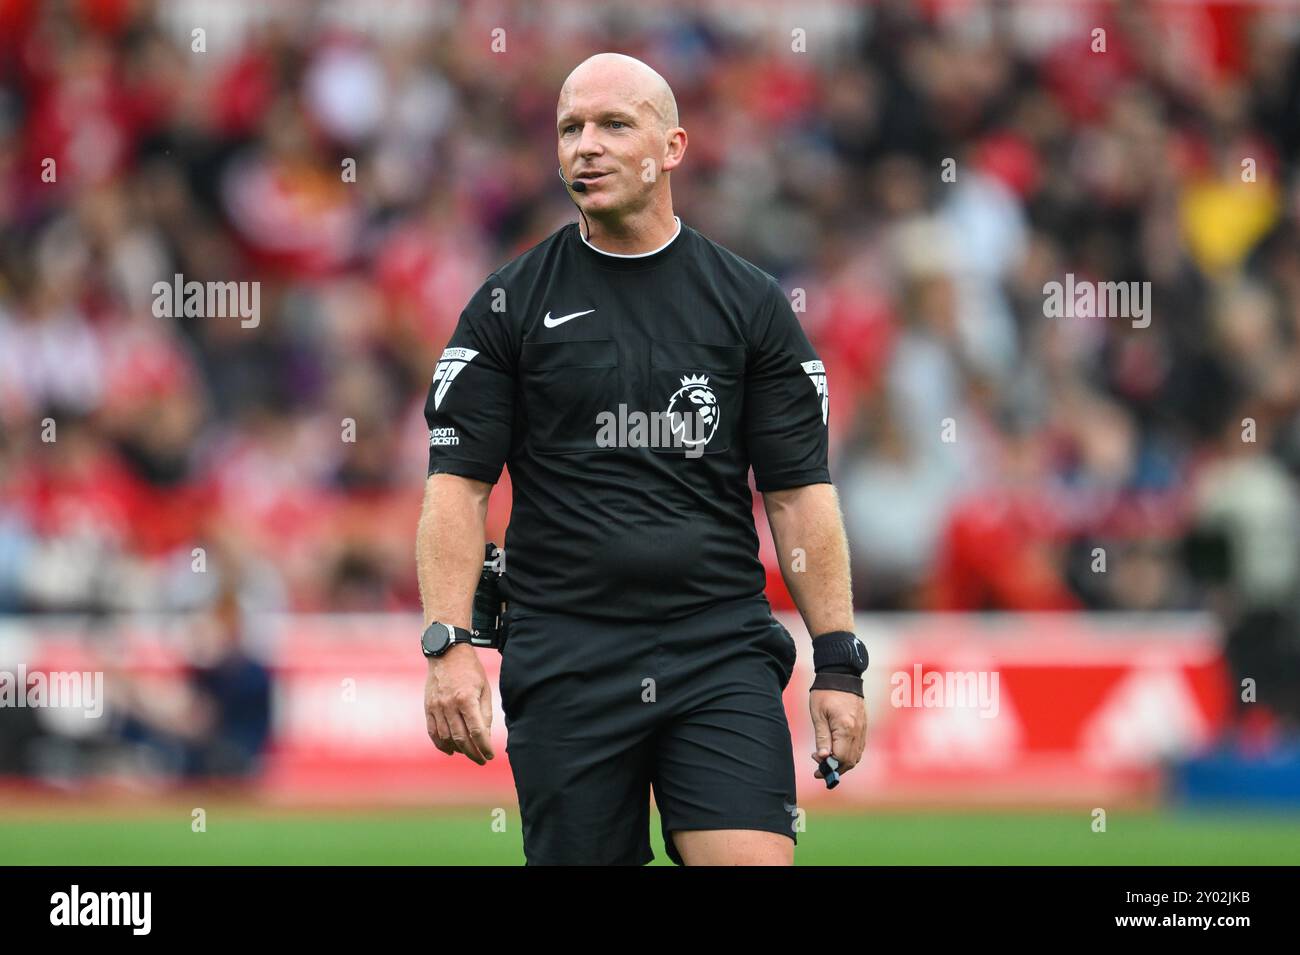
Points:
x=544 y=355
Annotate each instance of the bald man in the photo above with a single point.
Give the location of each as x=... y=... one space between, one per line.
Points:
x=631 y=372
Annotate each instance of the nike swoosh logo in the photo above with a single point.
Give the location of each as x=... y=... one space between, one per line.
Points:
x=552 y=322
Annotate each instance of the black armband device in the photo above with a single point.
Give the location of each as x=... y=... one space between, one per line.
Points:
x=486 y=623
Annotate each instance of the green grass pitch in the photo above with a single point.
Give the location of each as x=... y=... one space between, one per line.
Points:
x=464 y=836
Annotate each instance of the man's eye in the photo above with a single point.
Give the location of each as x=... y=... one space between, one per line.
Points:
x=569 y=129
x=617 y=123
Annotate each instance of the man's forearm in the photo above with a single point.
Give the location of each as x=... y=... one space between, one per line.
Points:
x=449 y=547
x=808 y=532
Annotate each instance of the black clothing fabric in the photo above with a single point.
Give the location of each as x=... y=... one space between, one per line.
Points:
x=562 y=341
x=601 y=712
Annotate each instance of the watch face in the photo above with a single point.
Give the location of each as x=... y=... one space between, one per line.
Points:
x=437 y=638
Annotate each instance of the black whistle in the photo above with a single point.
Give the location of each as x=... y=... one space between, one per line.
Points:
x=828 y=766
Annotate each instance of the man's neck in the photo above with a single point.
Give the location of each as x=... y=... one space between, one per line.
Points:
x=643 y=232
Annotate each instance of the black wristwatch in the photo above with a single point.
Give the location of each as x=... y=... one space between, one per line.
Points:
x=438 y=638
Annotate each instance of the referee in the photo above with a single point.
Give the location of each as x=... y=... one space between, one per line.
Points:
x=642 y=653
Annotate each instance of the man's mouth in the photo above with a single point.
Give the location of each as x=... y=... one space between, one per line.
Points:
x=589 y=177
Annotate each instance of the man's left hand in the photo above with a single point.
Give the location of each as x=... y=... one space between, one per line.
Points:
x=839 y=727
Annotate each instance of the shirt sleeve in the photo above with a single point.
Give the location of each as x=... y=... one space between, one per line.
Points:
x=786 y=402
x=471 y=402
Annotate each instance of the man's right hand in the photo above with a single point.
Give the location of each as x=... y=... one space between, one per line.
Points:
x=458 y=704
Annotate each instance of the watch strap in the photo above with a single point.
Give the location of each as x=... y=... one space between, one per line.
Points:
x=456 y=634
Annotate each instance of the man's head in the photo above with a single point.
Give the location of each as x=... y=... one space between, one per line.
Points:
x=616 y=123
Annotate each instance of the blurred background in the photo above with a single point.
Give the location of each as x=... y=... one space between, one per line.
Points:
x=1104 y=513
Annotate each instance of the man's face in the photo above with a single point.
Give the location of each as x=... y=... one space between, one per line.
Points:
x=611 y=142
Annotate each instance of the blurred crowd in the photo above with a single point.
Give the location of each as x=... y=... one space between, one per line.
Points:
x=920 y=171
x=200 y=710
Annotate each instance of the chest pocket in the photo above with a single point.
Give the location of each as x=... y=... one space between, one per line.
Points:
x=566 y=385
x=701 y=388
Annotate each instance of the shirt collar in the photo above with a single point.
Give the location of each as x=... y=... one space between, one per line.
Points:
x=635 y=255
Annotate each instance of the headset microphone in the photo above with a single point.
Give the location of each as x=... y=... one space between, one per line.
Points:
x=575 y=186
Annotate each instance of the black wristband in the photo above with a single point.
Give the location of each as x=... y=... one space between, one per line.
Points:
x=838 y=681
x=846 y=668
x=839 y=648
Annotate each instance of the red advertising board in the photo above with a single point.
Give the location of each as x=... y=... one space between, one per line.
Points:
x=963 y=709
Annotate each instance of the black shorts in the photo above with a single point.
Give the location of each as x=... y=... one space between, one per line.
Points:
x=598 y=711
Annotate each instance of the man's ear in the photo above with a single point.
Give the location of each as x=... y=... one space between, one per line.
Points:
x=676 y=148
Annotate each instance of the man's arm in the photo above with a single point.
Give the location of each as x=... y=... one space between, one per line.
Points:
x=449 y=559
x=449 y=546
x=813 y=551
x=469 y=411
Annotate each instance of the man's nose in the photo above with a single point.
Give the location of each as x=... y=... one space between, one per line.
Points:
x=589 y=142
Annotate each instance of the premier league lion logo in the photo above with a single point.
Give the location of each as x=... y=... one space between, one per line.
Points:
x=693 y=411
